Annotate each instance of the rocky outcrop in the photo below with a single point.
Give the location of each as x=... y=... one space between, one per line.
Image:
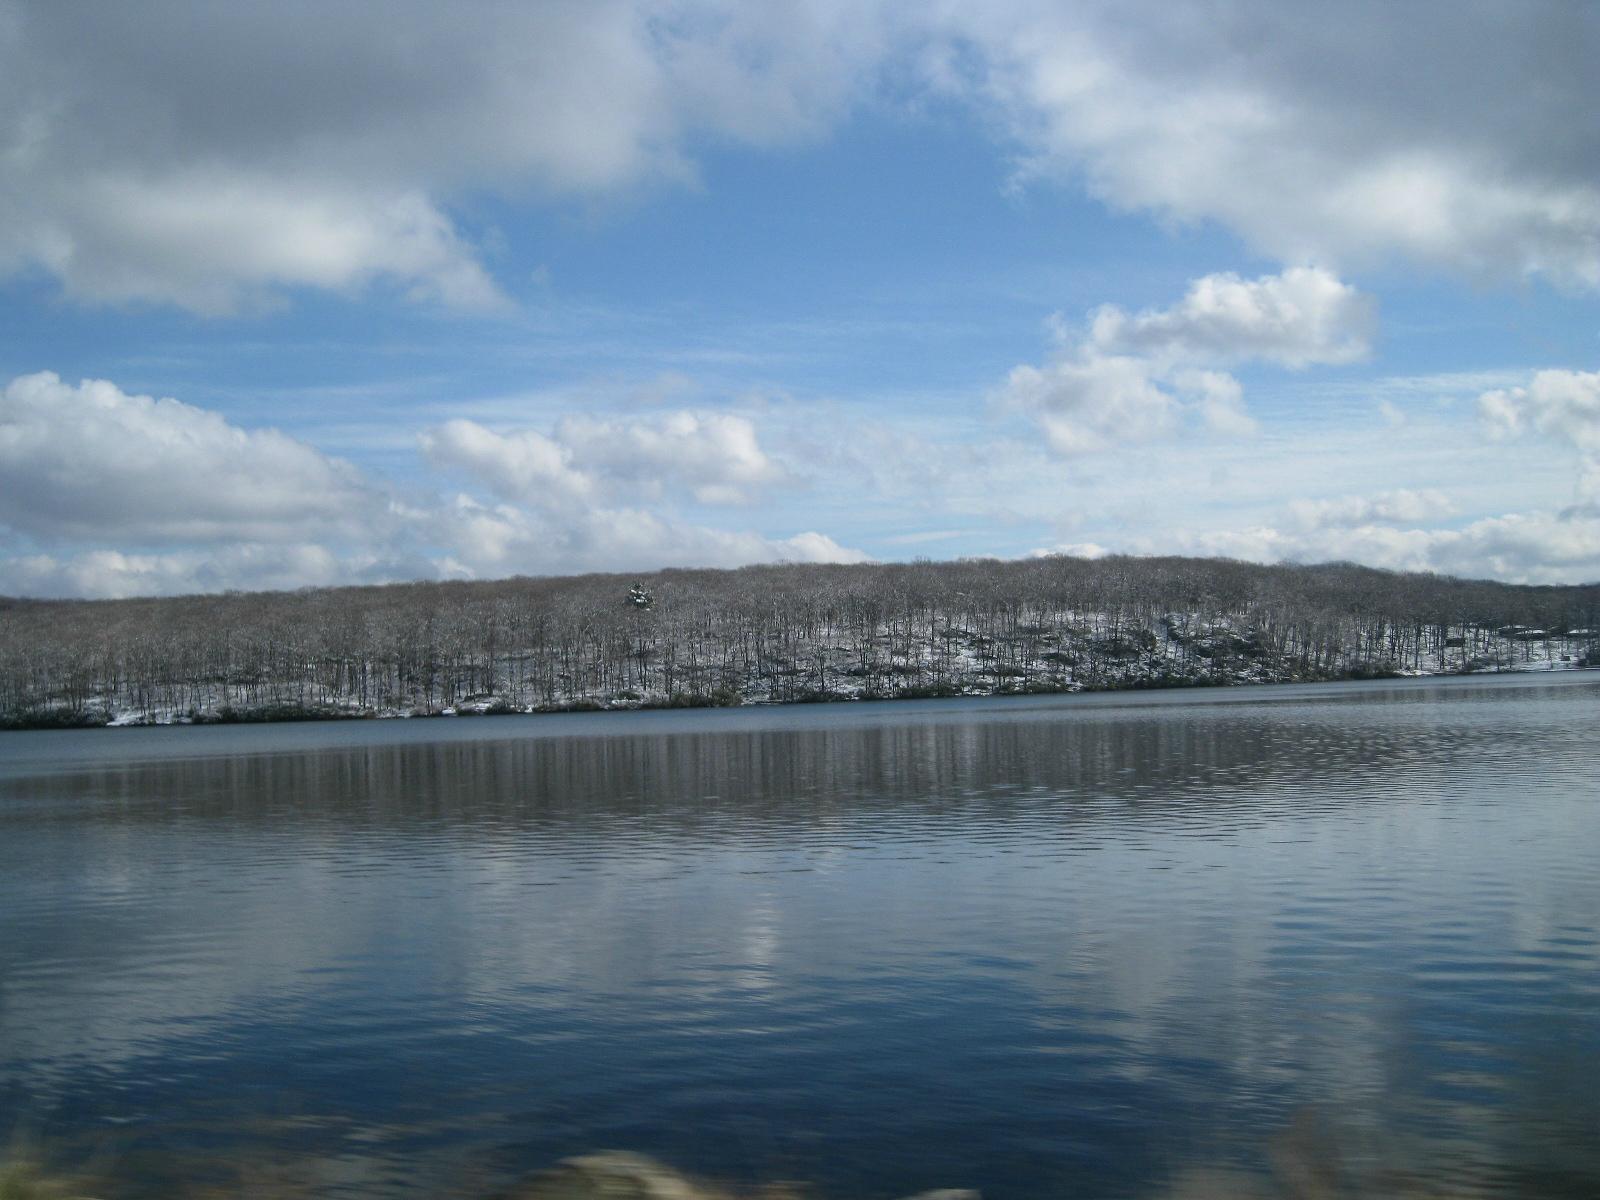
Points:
x=620 y=1175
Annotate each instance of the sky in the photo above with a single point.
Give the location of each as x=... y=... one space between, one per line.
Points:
x=304 y=294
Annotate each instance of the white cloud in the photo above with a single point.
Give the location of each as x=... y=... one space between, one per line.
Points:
x=1073 y=550
x=1335 y=135
x=91 y=461
x=111 y=574
x=1468 y=505
x=522 y=465
x=1084 y=405
x=1219 y=401
x=215 y=242
x=1563 y=405
x=103 y=493
x=1532 y=547
x=714 y=458
x=1137 y=378
x=1389 y=508
x=211 y=155
x=502 y=539
x=570 y=499
x=1303 y=315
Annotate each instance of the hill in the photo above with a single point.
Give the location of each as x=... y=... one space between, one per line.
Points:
x=767 y=634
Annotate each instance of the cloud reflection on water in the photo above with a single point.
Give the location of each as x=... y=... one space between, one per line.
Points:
x=1084 y=946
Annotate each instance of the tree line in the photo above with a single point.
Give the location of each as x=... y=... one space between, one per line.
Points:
x=766 y=633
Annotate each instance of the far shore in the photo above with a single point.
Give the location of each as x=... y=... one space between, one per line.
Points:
x=489 y=706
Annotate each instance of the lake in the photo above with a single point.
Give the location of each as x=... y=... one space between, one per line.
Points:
x=1092 y=946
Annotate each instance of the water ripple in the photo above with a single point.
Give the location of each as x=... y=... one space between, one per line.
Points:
x=1044 y=946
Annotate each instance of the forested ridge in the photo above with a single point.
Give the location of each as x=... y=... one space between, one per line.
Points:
x=769 y=633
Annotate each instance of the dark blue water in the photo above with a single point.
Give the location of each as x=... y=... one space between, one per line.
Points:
x=1093 y=946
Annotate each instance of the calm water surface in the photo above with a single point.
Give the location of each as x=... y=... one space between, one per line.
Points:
x=1078 y=946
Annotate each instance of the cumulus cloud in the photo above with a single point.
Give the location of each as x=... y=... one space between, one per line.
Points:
x=1563 y=405
x=569 y=500
x=1073 y=550
x=1302 y=316
x=457 y=539
x=1403 y=529
x=1218 y=400
x=210 y=155
x=522 y=465
x=103 y=493
x=715 y=458
x=217 y=242
x=112 y=574
x=1138 y=377
x=502 y=539
x=1089 y=403
x=1342 y=135
x=1386 y=508
x=91 y=461
x=1532 y=547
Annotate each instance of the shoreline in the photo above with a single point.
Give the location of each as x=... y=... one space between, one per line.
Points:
x=289 y=713
x=775 y=635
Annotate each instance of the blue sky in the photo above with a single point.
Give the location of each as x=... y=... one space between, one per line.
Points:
x=621 y=286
